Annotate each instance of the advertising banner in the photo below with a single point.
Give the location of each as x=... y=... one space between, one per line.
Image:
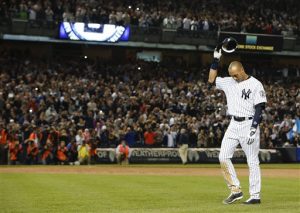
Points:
x=195 y=155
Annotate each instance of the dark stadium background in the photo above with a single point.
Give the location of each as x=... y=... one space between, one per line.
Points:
x=51 y=88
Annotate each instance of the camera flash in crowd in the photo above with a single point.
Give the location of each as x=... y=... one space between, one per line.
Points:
x=30 y=110
x=129 y=7
x=139 y=68
x=85 y=57
x=137 y=9
x=36 y=89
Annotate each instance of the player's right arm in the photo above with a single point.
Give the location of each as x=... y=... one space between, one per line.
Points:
x=213 y=72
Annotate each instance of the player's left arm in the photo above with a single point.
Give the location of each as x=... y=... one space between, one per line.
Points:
x=258 y=114
x=260 y=104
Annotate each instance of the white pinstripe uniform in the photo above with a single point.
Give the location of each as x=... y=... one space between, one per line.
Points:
x=241 y=99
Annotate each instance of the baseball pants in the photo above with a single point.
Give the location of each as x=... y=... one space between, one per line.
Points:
x=237 y=134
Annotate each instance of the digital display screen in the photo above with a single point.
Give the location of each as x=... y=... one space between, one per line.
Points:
x=255 y=42
x=93 y=32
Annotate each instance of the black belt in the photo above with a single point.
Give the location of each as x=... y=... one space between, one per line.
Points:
x=239 y=119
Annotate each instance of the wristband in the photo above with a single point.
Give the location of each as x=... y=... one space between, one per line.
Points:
x=214 y=65
x=209 y=85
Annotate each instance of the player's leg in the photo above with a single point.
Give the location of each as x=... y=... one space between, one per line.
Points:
x=252 y=152
x=227 y=149
x=229 y=144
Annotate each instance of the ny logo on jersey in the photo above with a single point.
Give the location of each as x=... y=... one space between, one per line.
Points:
x=245 y=94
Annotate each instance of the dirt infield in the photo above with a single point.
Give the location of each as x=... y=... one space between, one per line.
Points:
x=142 y=170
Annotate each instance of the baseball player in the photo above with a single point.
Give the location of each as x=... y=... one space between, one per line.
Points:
x=246 y=100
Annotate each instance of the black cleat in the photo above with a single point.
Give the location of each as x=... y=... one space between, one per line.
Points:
x=233 y=197
x=252 y=201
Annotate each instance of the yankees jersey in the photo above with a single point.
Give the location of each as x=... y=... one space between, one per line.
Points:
x=242 y=96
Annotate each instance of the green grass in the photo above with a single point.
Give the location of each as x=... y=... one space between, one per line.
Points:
x=144 y=193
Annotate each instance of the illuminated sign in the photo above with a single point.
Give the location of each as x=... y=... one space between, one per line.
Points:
x=255 y=42
x=93 y=32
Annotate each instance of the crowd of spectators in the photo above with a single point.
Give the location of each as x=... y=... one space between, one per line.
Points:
x=268 y=16
x=51 y=110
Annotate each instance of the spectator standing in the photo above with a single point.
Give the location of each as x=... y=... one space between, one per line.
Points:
x=49 y=17
x=186 y=23
x=170 y=138
x=32 y=16
x=193 y=138
x=202 y=139
x=3 y=145
x=149 y=137
x=205 y=25
x=14 y=149
x=130 y=137
x=79 y=137
x=23 y=9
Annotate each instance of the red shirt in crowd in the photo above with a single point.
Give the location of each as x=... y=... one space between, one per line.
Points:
x=62 y=153
x=32 y=149
x=149 y=137
x=14 y=148
x=3 y=137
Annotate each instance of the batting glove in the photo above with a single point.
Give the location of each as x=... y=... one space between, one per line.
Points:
x=217 y=54
x=251 y=136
